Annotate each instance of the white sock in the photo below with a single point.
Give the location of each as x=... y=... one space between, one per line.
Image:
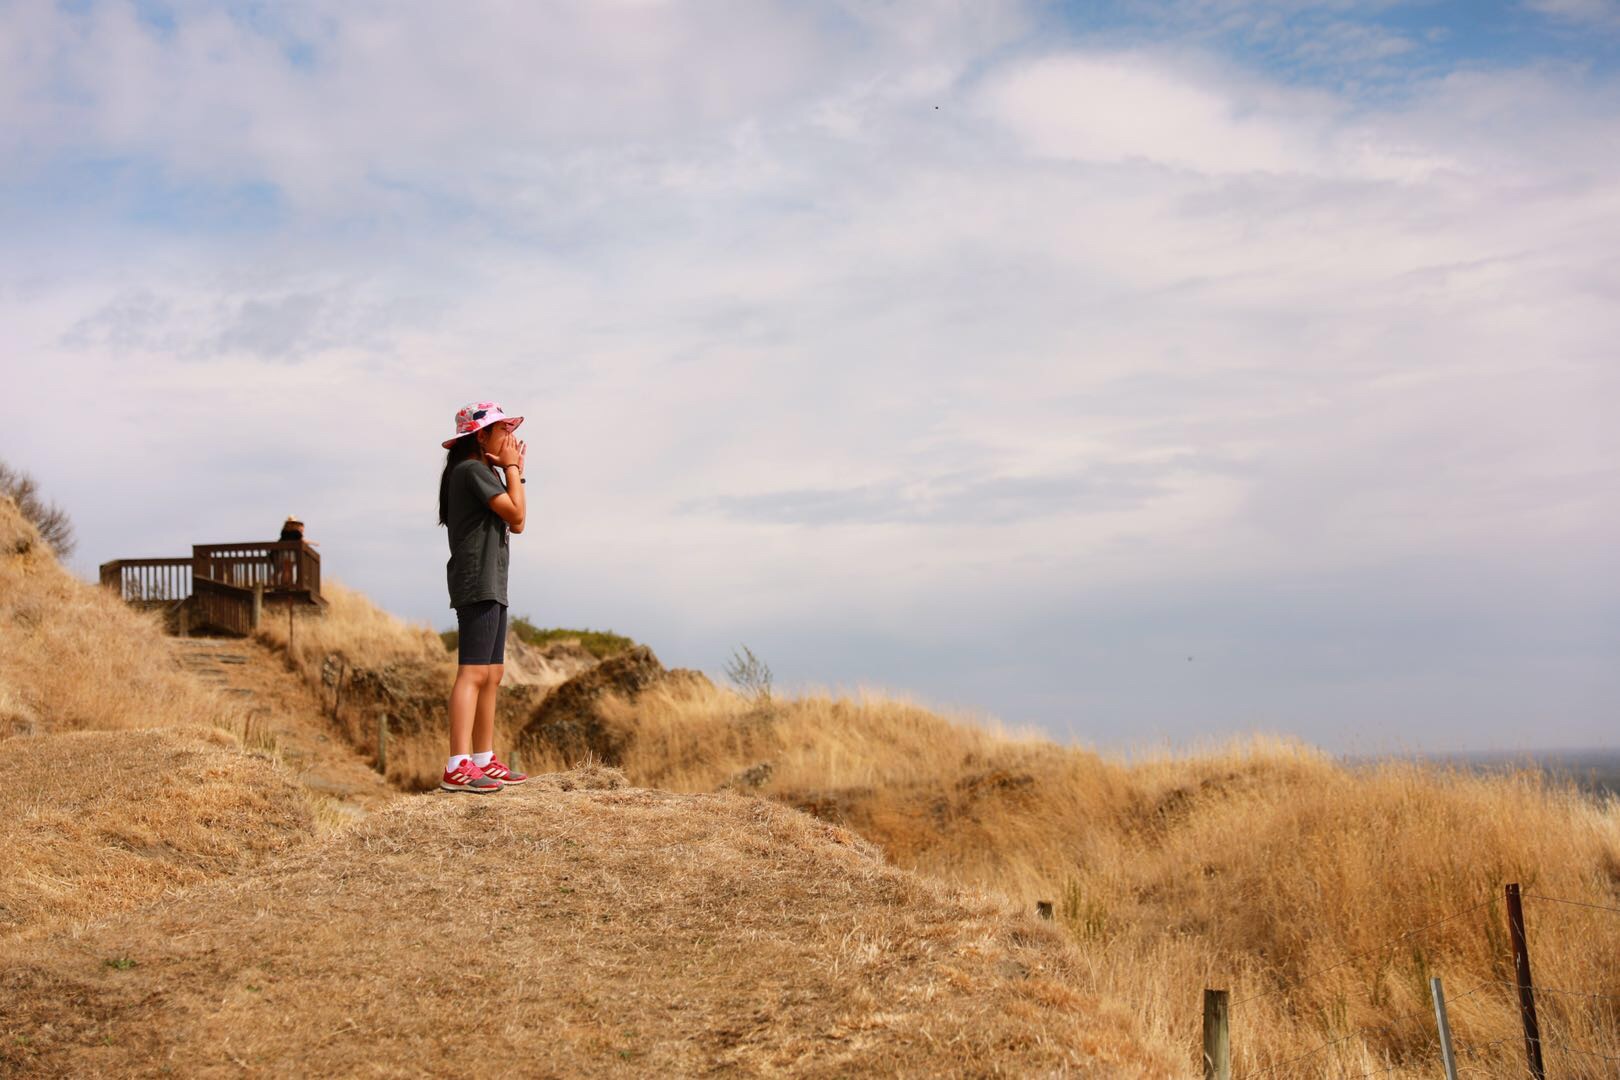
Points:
x=484 y=758
x=456 y=759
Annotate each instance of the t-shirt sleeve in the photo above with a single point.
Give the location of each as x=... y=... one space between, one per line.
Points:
x=483 y=483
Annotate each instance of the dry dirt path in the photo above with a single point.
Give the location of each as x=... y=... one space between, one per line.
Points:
x=282 y=707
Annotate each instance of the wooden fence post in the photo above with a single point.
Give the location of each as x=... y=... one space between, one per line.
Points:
x=337 y=691
x=1443 y=1024
x=1217 y=1038
x=382 y=744
x=1521 y=976
x=258 y=604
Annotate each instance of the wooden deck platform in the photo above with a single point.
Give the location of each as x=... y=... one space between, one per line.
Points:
x=220 y=588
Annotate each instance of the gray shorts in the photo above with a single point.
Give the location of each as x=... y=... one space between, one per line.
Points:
x=482 y=633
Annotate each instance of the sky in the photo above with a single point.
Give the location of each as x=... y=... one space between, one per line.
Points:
x=1142 y=372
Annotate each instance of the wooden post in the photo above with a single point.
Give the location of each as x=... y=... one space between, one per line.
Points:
x=1217 y=1040
x=1043 y=908
x=1527 y=990
x=258 y=604
x=337 y=691
x=382 y=744
x=1443 y=1024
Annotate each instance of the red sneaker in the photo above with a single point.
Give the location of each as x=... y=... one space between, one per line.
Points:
x=502 y=773
x=469 y=777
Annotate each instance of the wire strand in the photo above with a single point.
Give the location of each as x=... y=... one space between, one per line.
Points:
x=1563 y=1048
x=1539 y=989
x=1572 y=903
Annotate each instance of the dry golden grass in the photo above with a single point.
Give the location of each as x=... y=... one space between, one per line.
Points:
x=97 y=822
x=352 y=627
x=1248 y=867
x=91 y=818
x=563 y=929
x=76 y=658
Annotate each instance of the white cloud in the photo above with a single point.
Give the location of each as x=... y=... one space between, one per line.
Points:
x=1604 y=13
x=781 y=325
x=1125 y=107
x=1117 y=108
x=425 y=98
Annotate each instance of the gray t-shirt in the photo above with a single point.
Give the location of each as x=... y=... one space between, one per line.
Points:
x=478 y=537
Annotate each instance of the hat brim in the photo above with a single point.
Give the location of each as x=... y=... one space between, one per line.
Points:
x=515 y=421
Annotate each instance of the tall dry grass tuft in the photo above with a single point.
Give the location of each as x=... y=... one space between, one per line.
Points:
x=77 y=658
x=1264 y=867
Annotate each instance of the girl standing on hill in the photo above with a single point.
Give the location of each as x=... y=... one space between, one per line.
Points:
x=481 y=503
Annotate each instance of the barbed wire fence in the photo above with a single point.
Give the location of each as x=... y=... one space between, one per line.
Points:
x=1449 y=1057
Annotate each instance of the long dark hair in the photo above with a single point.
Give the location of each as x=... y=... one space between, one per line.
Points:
x=461 y=450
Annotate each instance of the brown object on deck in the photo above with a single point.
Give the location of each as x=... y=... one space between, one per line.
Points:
x=221 y=588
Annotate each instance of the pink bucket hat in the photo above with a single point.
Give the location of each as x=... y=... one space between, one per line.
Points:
x=479 y=415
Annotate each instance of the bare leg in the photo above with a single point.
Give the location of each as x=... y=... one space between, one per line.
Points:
x=464 y=699
x=483 y=728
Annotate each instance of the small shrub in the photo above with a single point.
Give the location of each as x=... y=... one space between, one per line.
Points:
x=749 y=674
x=51 y=520
x=599 y=643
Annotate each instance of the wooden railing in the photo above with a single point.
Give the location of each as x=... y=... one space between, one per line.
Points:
x=148 y=581
x=280 y=566
x=221 y=587
x=217 y=606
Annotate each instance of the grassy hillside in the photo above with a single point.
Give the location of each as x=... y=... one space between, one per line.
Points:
x=1321 y=895
x=177 y=889
x=605 y=932
x=124 y=776
x=1252 y=868
x=75 y=658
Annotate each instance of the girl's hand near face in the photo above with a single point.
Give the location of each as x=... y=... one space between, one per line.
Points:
x=510 y=453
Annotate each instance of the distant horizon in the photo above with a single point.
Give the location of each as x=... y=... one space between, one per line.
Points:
x=1401 y=748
